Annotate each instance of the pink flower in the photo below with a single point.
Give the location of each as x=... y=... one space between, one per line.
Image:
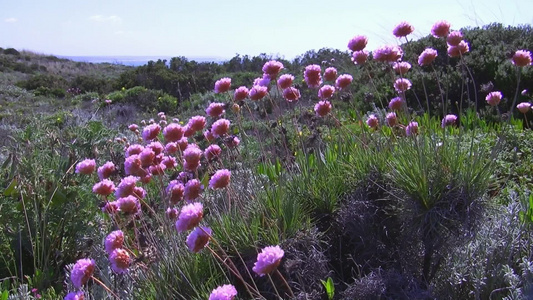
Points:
x=106 y=170
x=258 y=92
x=360 y=57
x=401 y=67
x=357 y=43
x=105 y=187
x=129 y=205
x=403 y=29
x=82 y=271
x=372 y=122
x=460 y=49
x=291 y=94
x=169 y=162
x=524 y=107
x=326 y=92
x=448 y=120
x=175 y=190
x=198 y=239
x=391 y=119
x=171 y=148
x=241 y=93
x=262 y=81
x=133 y=127
x=196 y=123
x=192 y=154
x=193 y=189
x=134 y=149
x=285 y=81
x=86 y=166
x=222 y=85
x=322 y=108
x=220 y=127
x=120 y=260
x=402 y=84
x=440 y=29
x=312 y=76
x=225 y=292
x=151 y=131
x=133 y=166
x=268 y=260
x=215 y=109
x=522 y=58
x=157 y=147
x=411 y=129
x=494 y=98
x=188 y=131
x=212 y=151
x=388 y=54
x=139 y=192
x=454 y=38
x=396 y=104
x=343 y=81
x=190 y=216
x=173 y=132
x=75 y=296
x=126 y=186
x=182 y=144
x=158 y=169
x=172 y=213
x=233 y=142
x=427 y=57
x=330 y=74
x=220 y=179
x=147 y=157
x=272 y=68
x=114 y=240
x=110 y=207
x=209 y=136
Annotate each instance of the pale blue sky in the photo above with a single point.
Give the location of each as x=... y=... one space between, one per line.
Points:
x=223 y=28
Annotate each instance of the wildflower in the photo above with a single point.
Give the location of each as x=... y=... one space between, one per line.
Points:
x=524 y=107
x=151 y=131
x=322 y=108
x=222 y=85
x=232 y=142
x=133 y=127
x=198 y=239
x=240 y=93
x=440 y=29
x=285 y=81
x=139 y=192
x=312 y=76
x=193 y=189
x=402 y=84
x=224 y=292
x=161 y=115
x=212 y=151
x=427 y=57
x=172 y=213
x=330 y=74
x=157 y=147
x=220 y=179
x=120 y=260
x=169 y=162
x=133 y=166
x=175 y=190
x=192 y=156
x=147 y=157
x=86 y=166
x=454 y=38
x=106 y=170
x=343 y=81
x=110 y=207
x=173 y=132
x=396 y=103
x=262 y=81
x=372 y=121
x=126 y=186
x=220 y=127
x=401 y=67
x=196 y=123
x=75 y=296
x=146 y=178
x=82 y=271
x=291 y=94
x=403 y=29
x=388 y=54
x=114 y=240
x=183 y=143
x=272 y=68
x=494 y=98
x=326 y=92
x=460 y=49
x=190 y=216
x=258 y=92
x=411 y=129
x=448 y=120
x=215 y=109
x=391 y=119
x=171 y=148
x=357 y=43
x=268 y=260
x=522 y=58
x=360 y=57
x=129 y=205
x=105 y=187
x=162 y=122
x=188 y=131
x=134 y=149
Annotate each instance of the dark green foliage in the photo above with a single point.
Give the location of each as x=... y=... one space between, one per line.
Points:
x=11 y=51
x=92 y=84
x=43 y=80
x=145 y=99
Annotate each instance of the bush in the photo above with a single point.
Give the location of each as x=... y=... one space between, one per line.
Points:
x=11 y=51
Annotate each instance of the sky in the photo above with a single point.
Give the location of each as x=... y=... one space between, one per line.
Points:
x=218 y=28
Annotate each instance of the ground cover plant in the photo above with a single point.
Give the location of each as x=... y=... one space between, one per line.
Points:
x=399 y=173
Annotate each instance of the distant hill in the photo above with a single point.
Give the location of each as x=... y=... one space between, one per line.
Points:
x=136 y=60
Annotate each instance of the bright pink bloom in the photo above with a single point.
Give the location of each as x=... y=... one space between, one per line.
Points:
x=343 y=81
x=105 y=187
x=147 y=157
x=82 y=272
x=241 y=93
x=146 y=179
x=197 y=123
x=460 y=49
x=126 y=186
x=173 y=132
x=524 y=107
x=171 y=148
x=285 y=81
x=120 y=260
x=215 y=109
x=139 y=192
x=212 y=151
x=220 y=179
x=291 y=94
x=193 y=189
x=391 y=119
x=440 y=29
x=151 y=131
x=396 y=103
x=158 y=169
x=372 y=121
x=403 y=29
x=258 y=92
x=114 y=240
x=427 y=57
x=448 y=120
x=190 y=216
x=157 y=147
x=268 y=260
x=172 y=213
x=322 y=108
x=129 y=205
x=86 y=166
x=175 y=190
x=411 y=129
x=312 y=76
x=360 y=57
x=79 y=295
x=198 y=239
x=454 y=38
x=169 y=162
x=522 y=58
x=330 y=74
x=106 y=170
x=402 y=84
x=494 y=98
x=225 y=292
x=357 y=43
x=220 y=127
x=401 y=67
x=192 y=154
x=262 y=81
x=183 y=143
x=388 y=54
x=326 y=92
x=134 y=149
x=133 y=166
x=222 y=85
x=272 y=68
x=110 y=207
x=188 y=131
x=133 y=127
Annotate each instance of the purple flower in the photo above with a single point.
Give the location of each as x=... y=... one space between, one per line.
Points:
x=291 y=94
x=190 y=216
x=215 y=109
x=196 y=123
x=193 y=189
x=222 y=85
x=403 y=29
x=322 y=108
x=285 y=81
x=241 y=93
x=86 y=166
x=173 y=132
x=220 y=127
x=521 y=58
x=401 y=67
x=198 y=239
x=357 y=43
x=494 y=98
x=402 y=84
x=411 y=129
x=258 y=92
x=105 y=187
x=151 y=131
x=448 y=120
x=440 y=29
x=330 y=74
x=224 y=292
x=126 y=186
x=360 y=57
x=120 y=260
x=114 y=240
x=312 y=76
x=272 y=68
x=212 y=151
x=388 y=54
x=268 y=260
x=343 y=81
x=524 y=107
x=75 y=296
x=391 y=119
x=129 y=205
x=427 y=57
x=454 y=38
x=326 y=92
x=106 y=170
x=82 y=272
x=372 y=121
x=220 y=179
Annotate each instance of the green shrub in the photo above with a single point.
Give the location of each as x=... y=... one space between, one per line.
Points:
x=11 y=51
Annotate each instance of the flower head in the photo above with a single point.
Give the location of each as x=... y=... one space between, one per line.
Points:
x=222 y=85
x=224 y=292
x=401 y=67
x=285 y=81
x=522 y=58
x=151 y=131
x=440 y=29
x=427 y=57
x=198 y=239
x=129 y=205
x=460 y=49
x=454 y=38
x=193 y=189
x=359 y=57
x=215 y=109
x=258 y=92
x=240 y=93
x=220 y=127
x=173 y=132
x=403 y=29
x=330 y=74
x=175 y=190
x=357 y=43
x=126 y=186
x=322 y=108
x=262 y=81
x=402 y=84
x=411 y=129
x=190 y=216
x=524 y=107
x=343 y=81
x=133 y=149
x=232 y=142
x=391 y=119
x=396 y=103
x=82 y=272
x=272 y=68
x=114 y=240
x=268 y=260
x=291 y=94
x=388 y=54
x=106 y=170
x=312 y=76
x=448 y=120
x=372 y=121
x=196 y=123
x=105 y=187
x=494 y=98
x=79 y=295
x=220 y=179
x=172 y=213
x=86 y=166
x=326 y=92
x=120 y=260
x=212 y=151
